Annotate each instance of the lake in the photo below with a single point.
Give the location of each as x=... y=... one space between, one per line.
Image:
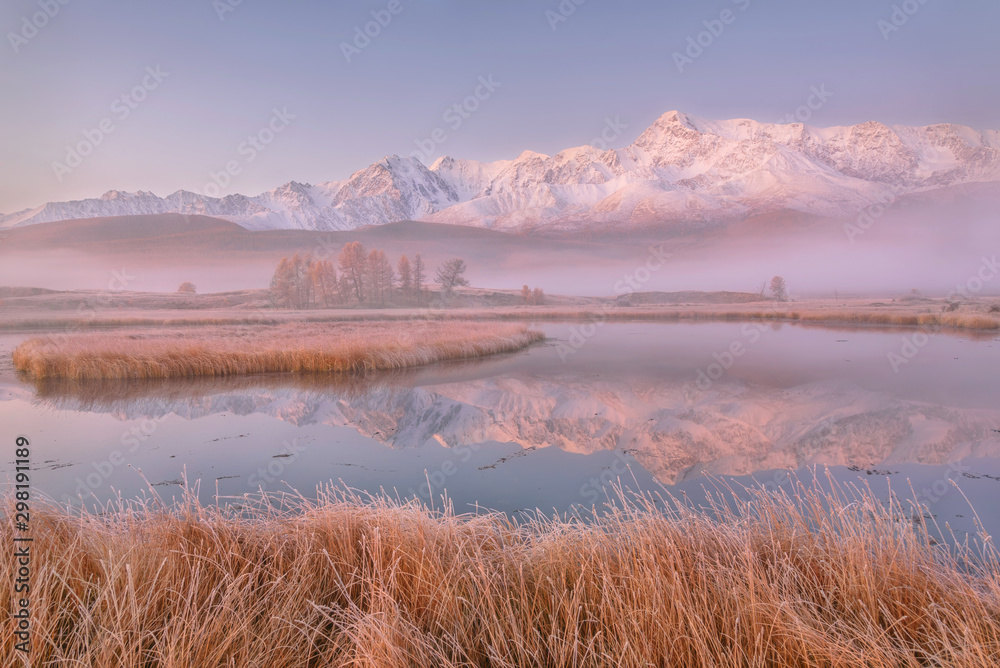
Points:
x=551 y=427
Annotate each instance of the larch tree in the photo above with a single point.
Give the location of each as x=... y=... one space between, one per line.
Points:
x=302 y=280
x=451 y=275
x=282 y=284
x=419 y=277
x=779 y=289
x=324 y=280
x=405 y=272
x=380 y=276
x=353 y=261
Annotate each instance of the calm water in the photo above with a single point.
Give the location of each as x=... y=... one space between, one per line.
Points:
x=545 y=428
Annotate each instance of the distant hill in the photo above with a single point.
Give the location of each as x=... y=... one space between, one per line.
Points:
x=688 y=297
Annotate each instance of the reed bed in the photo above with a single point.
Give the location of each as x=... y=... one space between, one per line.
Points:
x=822 y=578
x=240 y=350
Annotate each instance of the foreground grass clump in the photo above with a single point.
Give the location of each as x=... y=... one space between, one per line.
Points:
x=302 y=347
x=817 y=580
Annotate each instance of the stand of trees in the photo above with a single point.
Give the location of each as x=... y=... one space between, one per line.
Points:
x=779 y=289
x=534 y=297
x=359 y=277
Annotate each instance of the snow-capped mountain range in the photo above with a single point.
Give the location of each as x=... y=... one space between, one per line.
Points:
x=680 y=168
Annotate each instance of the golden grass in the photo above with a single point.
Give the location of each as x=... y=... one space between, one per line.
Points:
x=822 y=579
x=293 y=347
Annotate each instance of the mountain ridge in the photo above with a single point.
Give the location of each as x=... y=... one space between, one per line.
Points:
x=680 y=167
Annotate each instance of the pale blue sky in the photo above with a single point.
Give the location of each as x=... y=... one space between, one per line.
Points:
x=557 y=87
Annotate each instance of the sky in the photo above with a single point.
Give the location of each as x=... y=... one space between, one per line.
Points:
x=161 y=96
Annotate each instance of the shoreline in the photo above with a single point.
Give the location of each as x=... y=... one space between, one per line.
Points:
x=809 y=313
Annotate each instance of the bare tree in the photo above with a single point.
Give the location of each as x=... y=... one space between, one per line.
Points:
x=451 y=274
x=778 y=289
x=419 y=277
x=353 y=261
x=282 y=284
x=526 y=293
x=303 y=288
x=405 y=276
x=187 y=286
x=324 y=279
x=380 y=276
x=538 y=297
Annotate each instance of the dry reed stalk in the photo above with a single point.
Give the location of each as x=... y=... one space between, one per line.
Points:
x=820 y=579
x=295 y=347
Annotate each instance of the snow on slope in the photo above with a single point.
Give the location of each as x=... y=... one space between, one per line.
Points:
x=680 y=168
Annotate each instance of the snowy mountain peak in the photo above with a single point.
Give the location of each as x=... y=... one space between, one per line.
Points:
x=679 y=168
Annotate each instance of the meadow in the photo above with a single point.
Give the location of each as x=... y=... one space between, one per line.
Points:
x=820 y=578
x=981 y=316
